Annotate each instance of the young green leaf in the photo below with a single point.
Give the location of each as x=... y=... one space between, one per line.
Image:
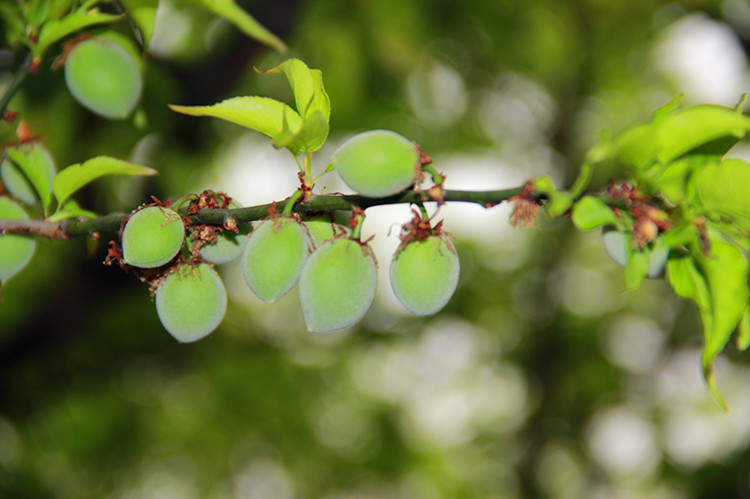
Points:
x=590 y=212
x=695 y=126
x=72 y=178
x=636 y=267
x=743 y=332
x=307 y=87
x=267 y=116
x=723 y=188
x=726 y=270
x=229 y=10
x=36 y=165
x=57 y=29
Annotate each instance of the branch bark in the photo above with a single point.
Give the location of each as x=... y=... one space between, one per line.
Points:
x=68 y=229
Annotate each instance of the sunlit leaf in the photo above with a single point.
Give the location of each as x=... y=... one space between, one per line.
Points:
x=724 y=188
x=311 y=137
x=590 y=212
x=695 y=126
x=636 y=268
x=743 y=332
x=267 y=116
x=72 y=178
x=726 y=270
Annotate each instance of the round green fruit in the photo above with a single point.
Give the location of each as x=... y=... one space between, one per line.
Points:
x=15 y=249
x=274 y=256
x=424 y=274
x=377 y=163
x=104 y=76
x=616 y=245
x=191 y=302
x=337 y=285
x=152 y=237
x=228 y=247
x=17 y=182
x=322 y=228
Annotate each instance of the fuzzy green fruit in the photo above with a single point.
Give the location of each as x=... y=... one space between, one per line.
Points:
x=152 y=237
x=616 y=245
x=274 y=256
x=15 y=249
x=337 y=285
x=16 y=181
x=228 y=247
x=104 y=76
x=191 y=302
x=424 y=274
x=377 y=163
x=322 y=228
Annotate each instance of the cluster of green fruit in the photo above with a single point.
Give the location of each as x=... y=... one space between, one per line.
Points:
x=336 y=271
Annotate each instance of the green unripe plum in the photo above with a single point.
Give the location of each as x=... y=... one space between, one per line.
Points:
x=152 y=237
x=377 y=163
x=274 y=256
x=337 y=285
x=616 y=245
x=16 y=250
x=228 y=247
x=104 y=77
x=321 y=228
x=424 y=274
x=16 y=181
x=191 y=302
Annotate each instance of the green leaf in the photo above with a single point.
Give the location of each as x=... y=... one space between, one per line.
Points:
x=726 y=271
x=57 y=29
x=300 y=79
x=680 y=235
x=311 y=137
x=229 y=10
x=743 y=336
x=312 y=103
x=637 y=145
x=724 y=188
x=35 y=166
x=267 y=116
x=72 y=178
x=590 y=212
x=696 y=126
x=636 y=267
x=71 y=209
x=673 y=180
x=672 y=134
x=687 y=281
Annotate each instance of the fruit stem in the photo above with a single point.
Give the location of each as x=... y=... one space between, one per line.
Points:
x=357 y=230
x=308 y=170
x=291 y=202
x=436 y=177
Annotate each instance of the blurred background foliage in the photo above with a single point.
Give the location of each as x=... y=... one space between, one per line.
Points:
x=540 y=378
